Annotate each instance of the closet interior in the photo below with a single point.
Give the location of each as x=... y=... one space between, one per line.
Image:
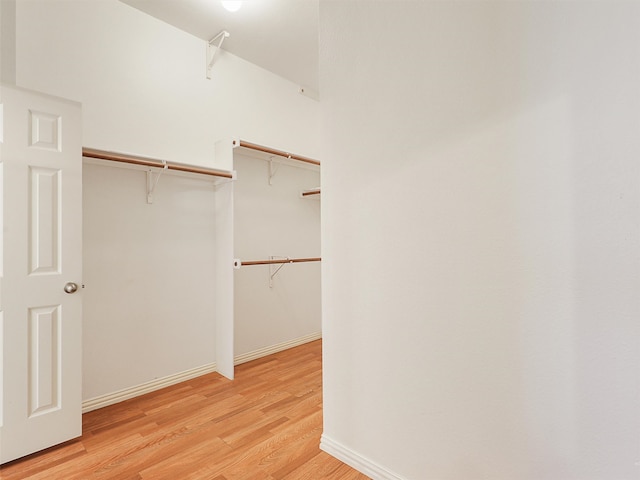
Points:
x=190 y=270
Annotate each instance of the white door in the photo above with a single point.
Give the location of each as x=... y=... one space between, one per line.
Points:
x=40 y=322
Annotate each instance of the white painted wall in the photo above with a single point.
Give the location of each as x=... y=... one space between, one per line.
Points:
x=149 y=275
x=8 y=42
x=274 y=220
x=481 y=240
x=149 y=268
x=143 y=87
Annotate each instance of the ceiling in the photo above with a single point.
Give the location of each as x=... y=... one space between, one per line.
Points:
x=278 y=35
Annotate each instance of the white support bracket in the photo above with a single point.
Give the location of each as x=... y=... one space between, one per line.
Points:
x=272 y=170
x=212 y=49
x=274 y=269
x=153 y=182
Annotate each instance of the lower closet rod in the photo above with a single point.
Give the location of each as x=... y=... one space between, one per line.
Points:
x=281 y=260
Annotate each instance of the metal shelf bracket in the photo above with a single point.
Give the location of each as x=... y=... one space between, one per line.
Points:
x=212 y=49
x=153 y=182
x=272 y=170
x=275 y=268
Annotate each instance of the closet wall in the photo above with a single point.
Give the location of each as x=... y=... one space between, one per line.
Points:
x=143 y=88
x=148 y=271
x=272 y=219
x=487 y=245
x=149 y=312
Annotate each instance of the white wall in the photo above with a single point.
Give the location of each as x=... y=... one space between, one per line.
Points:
x=274 y=220
x=149 y=275
x=143 y=87
x=8 y=42
x=148 y=308
x=481 y=240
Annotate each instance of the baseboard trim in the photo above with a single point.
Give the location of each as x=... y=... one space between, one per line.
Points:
x=128 y=393
x=152 y=386
x=263 y=352
x=355 y=460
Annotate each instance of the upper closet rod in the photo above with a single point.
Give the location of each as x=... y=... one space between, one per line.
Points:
x=150 y=162
x=281 y=260
x=273 y=151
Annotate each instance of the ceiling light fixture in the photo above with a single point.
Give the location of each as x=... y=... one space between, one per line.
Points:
x=232 y=5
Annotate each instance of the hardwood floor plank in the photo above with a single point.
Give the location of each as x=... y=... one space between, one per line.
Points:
x=269 y=454
x=264 y=425
x=241 y=438
x=42 y=461
x=189 y=459
x=319 y=466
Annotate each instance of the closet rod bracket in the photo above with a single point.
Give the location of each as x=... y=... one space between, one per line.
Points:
x=275 y=268
x=152 y=181
x=272 y=170
x=212 y=49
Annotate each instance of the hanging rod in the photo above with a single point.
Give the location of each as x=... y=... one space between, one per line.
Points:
x=280 y=260
x=307 y=193
x=273 y=151
x=150 y=162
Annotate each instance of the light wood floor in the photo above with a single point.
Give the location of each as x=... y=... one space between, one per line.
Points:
x=265 y=425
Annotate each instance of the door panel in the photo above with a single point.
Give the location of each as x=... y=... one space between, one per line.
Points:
x=44 y=221
x=41 y=161
x=44 y=369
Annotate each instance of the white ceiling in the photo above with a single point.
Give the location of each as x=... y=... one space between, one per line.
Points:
x=278 y=35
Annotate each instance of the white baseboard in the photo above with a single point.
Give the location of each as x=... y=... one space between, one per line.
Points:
x=128 y=393
x=263 y=352
x=355 y=460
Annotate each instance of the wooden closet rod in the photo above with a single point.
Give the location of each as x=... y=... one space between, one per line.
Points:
x=313 y=191
x=150 y=162
x=281 y=260
x=273 y=151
